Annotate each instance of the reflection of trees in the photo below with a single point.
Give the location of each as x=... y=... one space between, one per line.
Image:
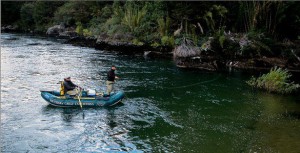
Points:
x=276 y=129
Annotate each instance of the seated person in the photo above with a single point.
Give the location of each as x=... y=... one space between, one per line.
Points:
x=70 y=87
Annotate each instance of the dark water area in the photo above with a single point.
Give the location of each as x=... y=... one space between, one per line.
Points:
x=166 y=109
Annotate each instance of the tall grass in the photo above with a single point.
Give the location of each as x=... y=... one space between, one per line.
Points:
x=277 y=81
x=164 y=26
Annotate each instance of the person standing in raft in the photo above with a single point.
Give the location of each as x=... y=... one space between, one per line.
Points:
x=70 y=87
x=111 y=76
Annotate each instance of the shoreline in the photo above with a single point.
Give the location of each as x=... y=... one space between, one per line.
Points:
x=202 y=62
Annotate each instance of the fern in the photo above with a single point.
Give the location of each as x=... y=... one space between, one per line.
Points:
x=133 y=17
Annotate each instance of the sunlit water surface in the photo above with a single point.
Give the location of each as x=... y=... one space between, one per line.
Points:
x=166 y=109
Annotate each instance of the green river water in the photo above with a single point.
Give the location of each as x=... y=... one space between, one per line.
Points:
x=166 y=109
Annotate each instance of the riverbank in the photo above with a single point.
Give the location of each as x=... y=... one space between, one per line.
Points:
x=199 y=35
x=201 y=61
x=121 y=46
x=205 y=60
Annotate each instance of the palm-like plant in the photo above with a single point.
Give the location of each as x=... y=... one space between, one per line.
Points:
x=133 y=17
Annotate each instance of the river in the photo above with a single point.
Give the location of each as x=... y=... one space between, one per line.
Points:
x=166 y=109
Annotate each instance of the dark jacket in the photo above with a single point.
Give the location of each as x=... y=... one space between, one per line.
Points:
x=69 y=85
x=111 y=75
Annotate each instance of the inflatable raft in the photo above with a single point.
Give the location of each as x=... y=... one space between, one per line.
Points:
x=54 y=98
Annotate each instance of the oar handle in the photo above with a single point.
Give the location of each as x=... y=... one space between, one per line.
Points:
x=79 y=95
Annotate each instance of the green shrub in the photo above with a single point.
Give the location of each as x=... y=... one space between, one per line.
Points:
x=155 y=44
x=137 y=42
x=79 y=28
x=274 y=81
x=169 y=41
x=82 y=31
x=87 y=32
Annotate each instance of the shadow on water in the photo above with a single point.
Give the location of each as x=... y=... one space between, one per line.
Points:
x=67 y=113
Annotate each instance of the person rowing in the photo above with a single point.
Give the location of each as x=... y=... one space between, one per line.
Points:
x=70 y=87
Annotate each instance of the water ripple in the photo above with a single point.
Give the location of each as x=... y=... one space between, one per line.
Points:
x=166 y=109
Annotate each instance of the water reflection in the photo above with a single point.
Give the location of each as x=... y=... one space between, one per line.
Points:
x=276 y=125
x=111 y=119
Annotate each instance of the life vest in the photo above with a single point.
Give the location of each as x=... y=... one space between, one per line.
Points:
x=62 y=88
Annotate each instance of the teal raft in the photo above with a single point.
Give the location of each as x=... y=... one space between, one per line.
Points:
x=54 y=98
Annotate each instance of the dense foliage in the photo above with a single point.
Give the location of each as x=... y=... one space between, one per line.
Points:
x=277 y=80
x=163 y=22
x=273 y=17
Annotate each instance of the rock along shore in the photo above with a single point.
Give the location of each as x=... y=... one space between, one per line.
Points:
x=202 y=61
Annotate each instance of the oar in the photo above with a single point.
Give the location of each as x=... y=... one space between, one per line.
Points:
x=79 y=94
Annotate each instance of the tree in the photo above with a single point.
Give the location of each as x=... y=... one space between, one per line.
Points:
x=10 y=11
x=43 y=14
x=76 y=11
x=27 y=20
x=288 y=20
